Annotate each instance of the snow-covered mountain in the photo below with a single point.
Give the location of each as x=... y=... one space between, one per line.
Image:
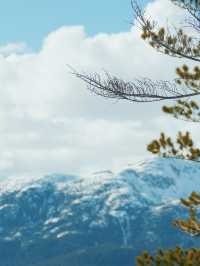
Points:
x=43 y=218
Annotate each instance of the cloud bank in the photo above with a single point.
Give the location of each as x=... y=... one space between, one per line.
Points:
x=50 y=123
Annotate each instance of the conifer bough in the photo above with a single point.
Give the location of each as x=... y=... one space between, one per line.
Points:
x=175 y=43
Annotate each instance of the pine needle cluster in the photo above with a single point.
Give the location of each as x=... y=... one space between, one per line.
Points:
x=182 y=148
x=183 y=46
x=176 y=257
x=176 y=43
x=192 y=224
x=185 y=110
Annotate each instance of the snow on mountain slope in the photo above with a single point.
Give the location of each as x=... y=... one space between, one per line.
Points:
x=12 y=184
x=134 y=204
x=161 y=179
x=55 y=198
x=155 y=180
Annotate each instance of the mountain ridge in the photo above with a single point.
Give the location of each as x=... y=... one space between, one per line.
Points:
x=65 y=214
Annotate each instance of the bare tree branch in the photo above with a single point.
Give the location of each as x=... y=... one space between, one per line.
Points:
x=193 y=9
x=176 y=45
x=140 y=90
x=145 y=89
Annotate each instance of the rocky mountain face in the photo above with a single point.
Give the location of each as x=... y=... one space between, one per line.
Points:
x=103 y=219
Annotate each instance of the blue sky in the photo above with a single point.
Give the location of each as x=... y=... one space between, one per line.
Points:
x=49 y=122
x=30 y=21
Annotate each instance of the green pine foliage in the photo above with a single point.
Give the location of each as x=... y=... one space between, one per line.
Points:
x=176 y=257
x=178 y=45
x=174 y=42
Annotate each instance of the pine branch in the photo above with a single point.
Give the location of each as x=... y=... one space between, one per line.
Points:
x=139 y=90
x=177 y=45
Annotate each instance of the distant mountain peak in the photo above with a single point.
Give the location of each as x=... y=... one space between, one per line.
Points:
x=130 y=207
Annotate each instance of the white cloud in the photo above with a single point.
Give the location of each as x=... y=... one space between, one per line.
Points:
x=50 y=123
x=13 y=48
